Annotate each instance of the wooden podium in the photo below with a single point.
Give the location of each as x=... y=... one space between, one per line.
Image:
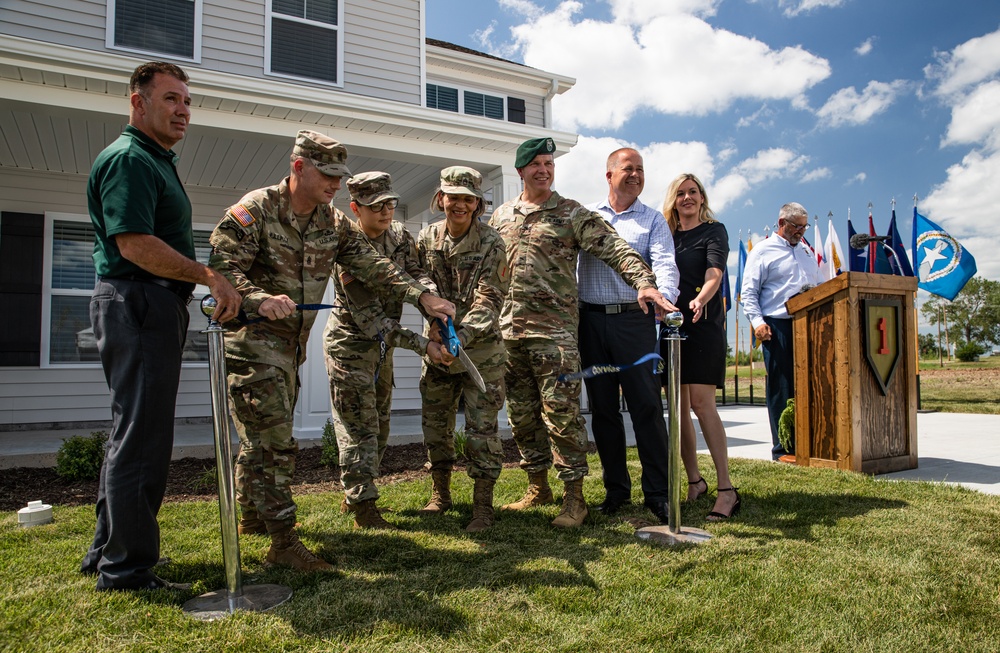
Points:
x=855 y=373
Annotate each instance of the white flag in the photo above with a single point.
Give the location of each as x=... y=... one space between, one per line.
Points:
x=836 y=257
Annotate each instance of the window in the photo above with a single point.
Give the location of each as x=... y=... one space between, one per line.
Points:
x=304 y=39
x=69 y=279
x=474 y=103
x=171 y=27
x=442 y=97
x=479 y=104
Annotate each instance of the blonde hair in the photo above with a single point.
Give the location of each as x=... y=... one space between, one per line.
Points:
x=670 y=202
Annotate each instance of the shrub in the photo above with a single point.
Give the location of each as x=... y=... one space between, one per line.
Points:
x=786 y=426
x=969 y=352
x=80 y=457
x=331 y=450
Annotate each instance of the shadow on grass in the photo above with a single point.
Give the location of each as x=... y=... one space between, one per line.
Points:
x=407 y=581
x=794 y=515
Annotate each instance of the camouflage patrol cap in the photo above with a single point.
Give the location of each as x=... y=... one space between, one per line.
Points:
x=528 y=150
x=459 y=180
x=327 y=154
x=371 y=187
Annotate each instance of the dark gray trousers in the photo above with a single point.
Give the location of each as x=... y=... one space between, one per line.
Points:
x=140 y=330
x=622 y=339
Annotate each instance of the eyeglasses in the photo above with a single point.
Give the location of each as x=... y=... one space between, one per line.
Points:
x=378 y=206
x=797 y=227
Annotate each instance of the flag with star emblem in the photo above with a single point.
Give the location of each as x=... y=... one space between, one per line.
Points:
x=943 y=266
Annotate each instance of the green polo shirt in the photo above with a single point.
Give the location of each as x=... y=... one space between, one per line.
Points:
x=134 y=188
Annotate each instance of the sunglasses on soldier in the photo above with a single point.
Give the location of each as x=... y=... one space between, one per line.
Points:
x=377 y=206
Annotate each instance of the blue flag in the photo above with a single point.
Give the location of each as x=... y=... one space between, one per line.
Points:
x=858 y=259
x=943 y=265
x=741 y=262
x=902 y=261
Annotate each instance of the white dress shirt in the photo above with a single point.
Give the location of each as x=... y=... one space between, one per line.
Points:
x=775 y=271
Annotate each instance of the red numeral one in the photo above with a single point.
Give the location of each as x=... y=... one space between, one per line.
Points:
x=883 y=344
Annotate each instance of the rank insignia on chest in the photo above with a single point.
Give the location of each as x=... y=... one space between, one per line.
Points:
x=241 y=215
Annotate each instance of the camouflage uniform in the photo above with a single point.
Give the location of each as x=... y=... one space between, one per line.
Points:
x=539 y=323
x=473 y=274
x=359 y=341
x=260 y=248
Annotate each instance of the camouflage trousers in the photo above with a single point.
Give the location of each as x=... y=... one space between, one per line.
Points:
x=361 y=408
x=440 y=392
x=545 y=413
x=262 y=398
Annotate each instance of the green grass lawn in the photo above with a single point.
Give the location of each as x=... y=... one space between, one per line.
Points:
x=818 y=560
x=959 y=387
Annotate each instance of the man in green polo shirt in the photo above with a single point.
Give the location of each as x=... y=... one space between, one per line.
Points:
x=145 y=262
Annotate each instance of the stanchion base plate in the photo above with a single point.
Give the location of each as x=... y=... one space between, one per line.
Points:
x=663 y=535
x=256 y=598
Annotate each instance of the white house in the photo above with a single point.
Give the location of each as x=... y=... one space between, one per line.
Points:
x=362 y=71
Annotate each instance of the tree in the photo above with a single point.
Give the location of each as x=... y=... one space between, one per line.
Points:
x=973 y=316
x=928 y=345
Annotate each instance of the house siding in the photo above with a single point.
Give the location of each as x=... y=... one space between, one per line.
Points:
x=77 y=23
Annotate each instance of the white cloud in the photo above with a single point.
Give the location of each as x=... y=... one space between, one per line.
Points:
x=974 y=118
x=816 y=175
x=796 y=7
x=857 y=179
x=977 y=60
x=965 y=205
x=631 y=50
x=848 y=107
x=580 y=173
x=866 y=47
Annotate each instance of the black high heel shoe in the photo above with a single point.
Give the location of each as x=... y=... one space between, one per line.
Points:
x=718 y=516
x=700 y=494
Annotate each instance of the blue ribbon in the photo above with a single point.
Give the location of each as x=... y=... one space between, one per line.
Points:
x=596 y=370
x=245 y=320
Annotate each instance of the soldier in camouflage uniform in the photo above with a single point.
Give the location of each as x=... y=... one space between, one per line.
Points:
x=465 y=258
x=544 y=232
x=359 y=340
x=278 y=246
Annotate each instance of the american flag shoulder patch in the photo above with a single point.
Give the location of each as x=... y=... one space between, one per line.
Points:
x=346 y=278
x=244 y=217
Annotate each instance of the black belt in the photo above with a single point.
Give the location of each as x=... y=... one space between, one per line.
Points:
x=610 y=309
x=182 y=289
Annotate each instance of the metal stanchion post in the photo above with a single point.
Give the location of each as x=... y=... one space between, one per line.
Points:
x=672 y=533
x=214 y=605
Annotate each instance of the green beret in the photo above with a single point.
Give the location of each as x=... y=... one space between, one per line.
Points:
x=528 y=150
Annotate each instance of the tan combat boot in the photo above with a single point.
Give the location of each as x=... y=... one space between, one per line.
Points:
x=574 y=508
x=287 y=550
x=482 y=505
x=366 y=515
x=538 y=493
x=440 y=492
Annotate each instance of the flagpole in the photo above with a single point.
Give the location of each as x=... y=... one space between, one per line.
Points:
x=736 y=370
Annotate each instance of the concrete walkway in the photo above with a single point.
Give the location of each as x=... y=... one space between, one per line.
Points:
x=953 y=448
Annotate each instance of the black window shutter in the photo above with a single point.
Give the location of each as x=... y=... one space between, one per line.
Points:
x=515 y=110
x=21 y=242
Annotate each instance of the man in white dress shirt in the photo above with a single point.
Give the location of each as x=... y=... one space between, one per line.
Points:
x=778 y=268
x=613 y=330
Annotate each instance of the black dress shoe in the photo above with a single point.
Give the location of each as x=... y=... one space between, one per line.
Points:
x=611 y=506
x=154 y=583
x=661 y=509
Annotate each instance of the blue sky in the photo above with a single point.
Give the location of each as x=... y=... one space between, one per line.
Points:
x=830 y=103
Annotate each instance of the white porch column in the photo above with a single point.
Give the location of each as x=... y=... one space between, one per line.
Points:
x=506 y=184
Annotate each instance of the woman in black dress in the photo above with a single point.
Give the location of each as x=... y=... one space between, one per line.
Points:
x=701 y=247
